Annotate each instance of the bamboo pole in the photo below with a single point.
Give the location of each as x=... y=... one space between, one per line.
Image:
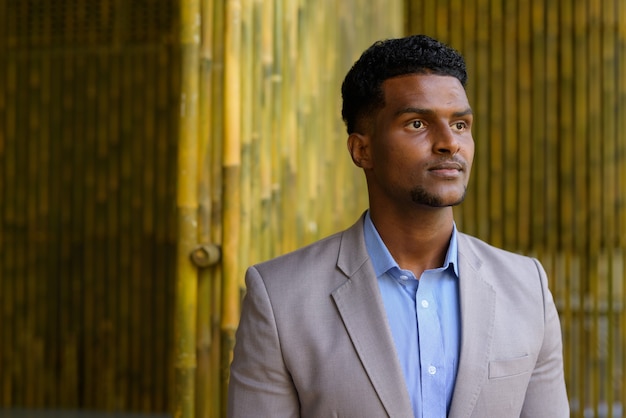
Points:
x=524 y=133
x=231 y=214
x=219 y=381
x=5 y=337
x=496 y=127
x=584 y=386
x=207 y=382
x=510 y=138
x=187 y=206
x=537 y=132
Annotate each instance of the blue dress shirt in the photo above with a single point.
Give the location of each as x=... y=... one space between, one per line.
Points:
x=425 y=323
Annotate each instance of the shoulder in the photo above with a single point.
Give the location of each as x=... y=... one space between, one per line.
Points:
x=315 y=254
x=483 y=255
x=507 y=272
x=321 y=257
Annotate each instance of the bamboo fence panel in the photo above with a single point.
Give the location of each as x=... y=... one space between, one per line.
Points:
x=275 y=160
x=547 y=83
x=88 y=135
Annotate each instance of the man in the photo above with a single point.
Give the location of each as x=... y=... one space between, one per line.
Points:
x=401 y=315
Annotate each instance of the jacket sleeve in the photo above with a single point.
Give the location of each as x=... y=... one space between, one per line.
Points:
x=260 y=385
x=546 y=395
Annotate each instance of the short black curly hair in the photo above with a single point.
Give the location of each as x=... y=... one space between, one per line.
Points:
x=417 y=54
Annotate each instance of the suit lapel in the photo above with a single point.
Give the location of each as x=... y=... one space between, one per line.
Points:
x=361 y=308
x=477 y=299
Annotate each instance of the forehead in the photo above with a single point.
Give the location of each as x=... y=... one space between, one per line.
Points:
x=428 y=91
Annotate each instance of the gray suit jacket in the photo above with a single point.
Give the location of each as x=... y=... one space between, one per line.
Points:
x=314 y=341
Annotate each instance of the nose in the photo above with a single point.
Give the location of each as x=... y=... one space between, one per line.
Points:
x=446 y=141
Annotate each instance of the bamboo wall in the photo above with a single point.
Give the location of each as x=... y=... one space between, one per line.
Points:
x=130 y=131
x=88 y=99
x=275 y=173
x=548 y=88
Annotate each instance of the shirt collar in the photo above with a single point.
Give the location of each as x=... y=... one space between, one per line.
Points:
x=382 y=259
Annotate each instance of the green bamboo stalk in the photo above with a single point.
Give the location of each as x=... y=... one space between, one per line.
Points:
x=68 y=265
x=552 y=133
x=219 y=380
x=206 y=387
x=231 y=214
x=537 y=139
x=580 y=177
x=110 y=109
x=510 y=127
x=5 y=315
x=496 y=127
x=187 y=206
x=125 y=297
x=86 y=98
x=524 y=129
x=162 y=204
x=53 y=125
x=566 y=123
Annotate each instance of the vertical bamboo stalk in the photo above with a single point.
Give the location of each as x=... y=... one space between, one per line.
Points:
x=124 y=295
x=537 y=137
x=113 y=68
x=496 y=128
x=524 y=133
x=510 y=137
x=609 y=163
x=580 y=187
x=216 y=176
x=8 y=210
x=148 y=135
x=5 y=337
x=468 y=210
x=482 y=71
x=232 y=177
x=207 y=377
x=551 y=88
x=187 y=206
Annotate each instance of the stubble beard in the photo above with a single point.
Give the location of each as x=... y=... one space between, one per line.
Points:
x=420 y=196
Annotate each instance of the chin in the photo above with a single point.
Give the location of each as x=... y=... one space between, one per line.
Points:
x=435 y=200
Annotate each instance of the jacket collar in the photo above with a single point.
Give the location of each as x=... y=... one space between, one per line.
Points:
x=362 y=311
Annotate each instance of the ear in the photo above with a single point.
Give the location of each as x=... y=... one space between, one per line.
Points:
x=359 y=148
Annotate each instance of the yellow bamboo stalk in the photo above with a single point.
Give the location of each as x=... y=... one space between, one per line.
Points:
x=537 y=139
x=551 y=89
x=566 y=127
x=216 y=179
x=207 y=388
x=524 y=132
x=497 y=170
x=510 y=139
x=187 y=206
x=581 y=192
x=232 y=178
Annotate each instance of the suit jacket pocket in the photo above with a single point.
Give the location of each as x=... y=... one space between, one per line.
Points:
x=510 y=367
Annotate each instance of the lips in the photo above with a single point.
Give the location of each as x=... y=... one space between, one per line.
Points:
x=446 y=169
x=446 y=165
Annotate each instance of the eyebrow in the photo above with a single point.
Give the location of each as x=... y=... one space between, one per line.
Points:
x=421 y=111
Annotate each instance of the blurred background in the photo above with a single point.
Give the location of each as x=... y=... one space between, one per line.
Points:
x=150 y=150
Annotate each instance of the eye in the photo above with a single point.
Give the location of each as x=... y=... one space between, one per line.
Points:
x=459 y=126
x=416 y=124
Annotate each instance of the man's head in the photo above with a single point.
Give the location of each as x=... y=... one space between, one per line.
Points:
x=419 y=54
x=409 y=122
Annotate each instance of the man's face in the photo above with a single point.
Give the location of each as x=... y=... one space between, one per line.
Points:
x=420 y=143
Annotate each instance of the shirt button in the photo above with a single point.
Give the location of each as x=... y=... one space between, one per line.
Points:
x=432 y=370
x=424 y=303
x=403 y=277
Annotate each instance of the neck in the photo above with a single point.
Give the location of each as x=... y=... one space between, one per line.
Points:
x=417 y=240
